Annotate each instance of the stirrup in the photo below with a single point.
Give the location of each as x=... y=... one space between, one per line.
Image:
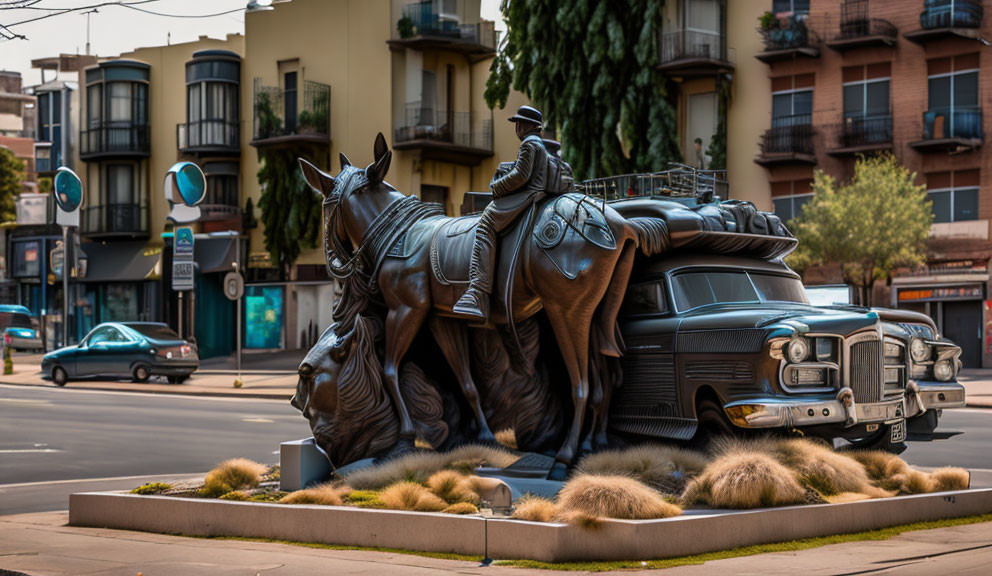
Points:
x=474 y=304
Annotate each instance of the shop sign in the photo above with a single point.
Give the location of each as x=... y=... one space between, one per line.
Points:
x=57 y=260
x=260 y=260
x=182 y=260
x=967 y=292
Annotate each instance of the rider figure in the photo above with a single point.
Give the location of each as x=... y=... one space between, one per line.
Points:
x=532 y=175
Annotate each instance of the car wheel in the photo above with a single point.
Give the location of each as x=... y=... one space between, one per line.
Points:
x=59 y=376
x=712 y=423
x=140 y=374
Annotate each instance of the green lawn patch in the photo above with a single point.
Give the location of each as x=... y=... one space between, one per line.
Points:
x=438 y=555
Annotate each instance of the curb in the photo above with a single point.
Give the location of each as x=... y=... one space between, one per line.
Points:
x=178 y=392
x=508 y=539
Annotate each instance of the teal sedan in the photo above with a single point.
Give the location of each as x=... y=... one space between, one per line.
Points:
x=118 y=350
x=18 y=328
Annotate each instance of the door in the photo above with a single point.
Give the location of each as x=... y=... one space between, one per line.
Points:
x=290 y=102
x=93 y=353
x=963 y=325
x=702 y=124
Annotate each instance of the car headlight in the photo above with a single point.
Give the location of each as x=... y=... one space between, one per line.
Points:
x=798 y=350
x=943 y=370
x=919 y=350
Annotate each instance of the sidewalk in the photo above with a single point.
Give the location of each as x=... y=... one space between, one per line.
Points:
x=41 y=544
x=978 y=386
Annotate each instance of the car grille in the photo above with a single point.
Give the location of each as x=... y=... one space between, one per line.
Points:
x=866 y=377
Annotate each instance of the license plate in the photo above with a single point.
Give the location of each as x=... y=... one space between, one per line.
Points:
x=897 y=432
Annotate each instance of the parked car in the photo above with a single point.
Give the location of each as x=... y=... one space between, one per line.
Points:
x=18 y=329
x=135 y=350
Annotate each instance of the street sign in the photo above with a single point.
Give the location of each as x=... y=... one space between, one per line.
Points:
x=234 y=286
x=185 y=187
x=182 y=260
x=67 y=189
x=56 y=259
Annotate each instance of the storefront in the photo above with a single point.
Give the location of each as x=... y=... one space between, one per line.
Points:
x=121 y=284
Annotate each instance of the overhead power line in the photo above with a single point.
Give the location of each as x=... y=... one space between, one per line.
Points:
x=52 y=12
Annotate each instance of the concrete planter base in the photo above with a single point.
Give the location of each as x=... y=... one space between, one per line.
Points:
x=694 y=533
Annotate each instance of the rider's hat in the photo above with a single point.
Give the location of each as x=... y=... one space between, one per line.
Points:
x=528 y=114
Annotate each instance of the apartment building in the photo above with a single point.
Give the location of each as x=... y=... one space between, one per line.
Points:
x=911 y=78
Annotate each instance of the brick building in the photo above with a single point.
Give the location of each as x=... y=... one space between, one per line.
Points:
x=909 y=77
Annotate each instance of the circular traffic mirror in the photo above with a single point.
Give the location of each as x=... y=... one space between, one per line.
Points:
x=68 y=190
x=190 y=182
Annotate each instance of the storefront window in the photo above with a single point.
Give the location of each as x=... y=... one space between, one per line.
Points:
x=263 y=317
x=120 y=303
x=27 y=259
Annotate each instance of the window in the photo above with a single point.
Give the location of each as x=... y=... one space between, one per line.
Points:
x=290 y=102
x=866 y=98
x=694 y=289
x=788 y=207
x=120 y=184
x=953 y=106
x=99 y=335
x=27 y=259
x=792 y=107
x=222 y=189
x=795 y=6
x=647 y=298
x=119 y=100
x=94 y=105
x=954 y=204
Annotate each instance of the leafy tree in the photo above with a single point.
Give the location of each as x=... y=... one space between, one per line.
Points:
x=11 y=177
x=872 y=225
x=290 y=210
x=589 y=66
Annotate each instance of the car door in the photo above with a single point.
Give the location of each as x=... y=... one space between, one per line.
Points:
x=116 y=358
x=91 y=356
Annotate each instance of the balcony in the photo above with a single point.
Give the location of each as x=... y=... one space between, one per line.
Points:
x=115 y=221
x=219 y=137
x=459 y=137
x=788 y=39
x=858 y=30
x=863 y=135
x=47 y=158
x=282 y=119
x=115 y=139
x=690 y=53
x=426 y=26
x=788 y=141
x=950 y=130
x=947 y=19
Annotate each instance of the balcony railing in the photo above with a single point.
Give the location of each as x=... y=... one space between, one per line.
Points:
x=787 y=33
x=115 y=139
x=865 y=131
x=691 y=45
x=212 y=135
x=425 y=19
x=288 y=114
x=959 y=122
x=951 y=14
x=789 y=135
x=468 y=130
x=115 y=220
x=856 y=24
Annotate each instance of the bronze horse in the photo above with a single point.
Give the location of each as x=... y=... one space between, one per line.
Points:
x=359 y=209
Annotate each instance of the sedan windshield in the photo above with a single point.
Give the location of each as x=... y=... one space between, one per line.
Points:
x=692 y=289
x=154 y=331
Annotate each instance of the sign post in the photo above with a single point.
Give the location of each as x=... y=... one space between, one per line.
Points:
x=185 y=187
x=68 y=191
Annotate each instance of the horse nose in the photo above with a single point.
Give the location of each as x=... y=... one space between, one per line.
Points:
x=305 y=369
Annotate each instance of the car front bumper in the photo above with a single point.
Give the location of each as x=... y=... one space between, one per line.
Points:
x=789 y=412
x=21 y=343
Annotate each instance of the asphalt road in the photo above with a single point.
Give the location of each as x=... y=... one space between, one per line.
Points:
x=57 y=441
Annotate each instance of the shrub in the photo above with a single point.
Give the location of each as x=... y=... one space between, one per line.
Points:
x=461 y=508
x=826 y=471
x=452 y=487
x=613 y=497
x=745 y=479
x=324 y=495
x=419 y=466
x=948 y=478
x=534 y=509
x=663 y=468
x=267 y=496
x=411 y=496
x=365 y=499
x=232 y=475
x=237 y=496
x=152 y=488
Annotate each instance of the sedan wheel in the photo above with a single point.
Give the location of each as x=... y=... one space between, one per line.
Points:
x=59 y=376
x=140 y=374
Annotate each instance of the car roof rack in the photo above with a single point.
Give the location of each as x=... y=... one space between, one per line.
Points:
x=681 y=181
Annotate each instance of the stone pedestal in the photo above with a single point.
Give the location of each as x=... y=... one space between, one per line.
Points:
x=301 y=464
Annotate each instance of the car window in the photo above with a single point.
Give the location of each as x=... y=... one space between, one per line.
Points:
x=693 y=289
x=778 y=288
x=115 y=335
x=646 y=298
x=98 y=335
x=20 y=320
x=156 y=331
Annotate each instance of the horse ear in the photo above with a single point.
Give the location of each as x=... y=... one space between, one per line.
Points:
x=380 y=148
x=376 y=172
x=344 y=161
x=318 y=180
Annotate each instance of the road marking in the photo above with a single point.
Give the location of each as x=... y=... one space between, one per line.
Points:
x=110 y=479
x=258 y=420
x=142 y=394
x=30 y=451
x=25 y=401
x=987 y=411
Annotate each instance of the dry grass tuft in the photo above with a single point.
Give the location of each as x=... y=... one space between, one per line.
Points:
x=581 y=519
x=419 y=466
x=663 y=468
x=232 y=475
x=534 y=509
x=948 y=478
x=881 y=466
x=826 y=471
x=507 y=438
x=152 y=488
x=613 y=497
x=411 y=496
x=911 y=482
x=237 y=496
x=461 y=508
x=745 y=479
x=324 y=495
x=452 y=487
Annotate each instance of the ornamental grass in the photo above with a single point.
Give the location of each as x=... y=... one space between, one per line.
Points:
x=231 y=475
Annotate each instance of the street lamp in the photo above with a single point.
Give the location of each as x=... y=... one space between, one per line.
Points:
x=68 y=192
x=185 y=187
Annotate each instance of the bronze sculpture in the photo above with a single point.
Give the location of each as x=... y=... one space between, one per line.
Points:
x=396 y=252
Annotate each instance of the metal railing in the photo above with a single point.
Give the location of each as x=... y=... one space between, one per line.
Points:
x=115 y=138
x=856 y=23
x=786 y=33
x=208 y=134
x=467 y=129
x=789 y=134
x=680 y=181
x=685 y=44
x=959 y=122
x=425 y=19
x=866 y=130
x=280 y=112
x=951 y=14
x=115 y=219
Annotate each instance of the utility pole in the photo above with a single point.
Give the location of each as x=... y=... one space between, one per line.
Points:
x=88 y=13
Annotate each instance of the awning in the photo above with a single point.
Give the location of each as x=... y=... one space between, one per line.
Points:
x=122 y=262
x=214 y=254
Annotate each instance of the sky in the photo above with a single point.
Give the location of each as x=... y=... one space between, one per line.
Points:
x=114 y=29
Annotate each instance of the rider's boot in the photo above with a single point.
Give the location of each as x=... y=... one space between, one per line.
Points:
x=474 y=303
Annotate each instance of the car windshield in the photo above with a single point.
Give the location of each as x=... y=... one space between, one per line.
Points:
x=15 y=320
x=693 y=289
x=154 y=331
